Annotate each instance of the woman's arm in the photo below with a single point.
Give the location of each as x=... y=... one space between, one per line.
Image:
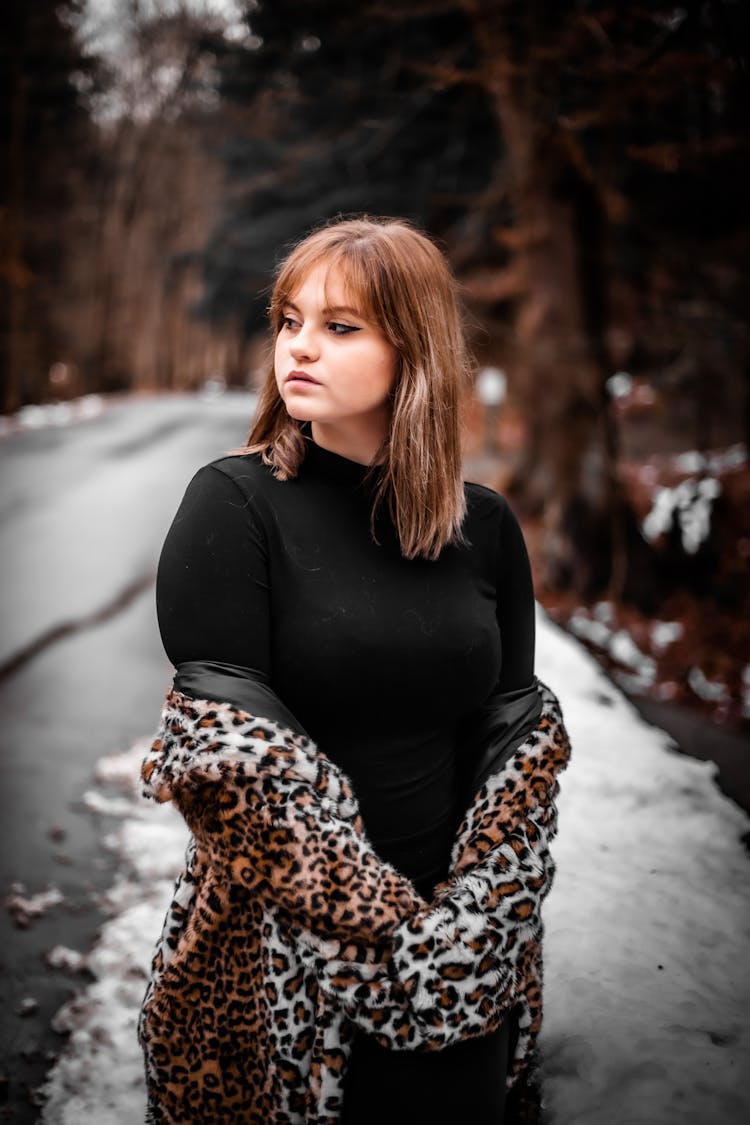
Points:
x=212 y=586
x=493 y=731
x=515 y=605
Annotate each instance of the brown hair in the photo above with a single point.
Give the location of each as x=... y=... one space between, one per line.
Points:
x=402 y=281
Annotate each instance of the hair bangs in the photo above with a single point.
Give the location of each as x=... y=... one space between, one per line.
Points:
x=362 y=286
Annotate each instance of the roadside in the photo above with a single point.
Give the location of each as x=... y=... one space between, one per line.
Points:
x=646 y=658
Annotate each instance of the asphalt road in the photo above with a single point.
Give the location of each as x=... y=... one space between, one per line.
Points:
x=83 y=512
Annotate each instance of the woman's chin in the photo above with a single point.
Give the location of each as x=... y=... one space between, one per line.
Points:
x=299 y=412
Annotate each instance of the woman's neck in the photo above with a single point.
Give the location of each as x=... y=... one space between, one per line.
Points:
x=354 y=443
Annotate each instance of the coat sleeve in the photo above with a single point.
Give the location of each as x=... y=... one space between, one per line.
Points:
x=273 y=815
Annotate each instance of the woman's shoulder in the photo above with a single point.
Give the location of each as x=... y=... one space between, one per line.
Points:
x=490 y=518
x=241 y=480
x=483 y=502
x=241 y=466
x=246 y=471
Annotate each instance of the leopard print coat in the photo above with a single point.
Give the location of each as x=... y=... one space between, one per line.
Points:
x=287 y=932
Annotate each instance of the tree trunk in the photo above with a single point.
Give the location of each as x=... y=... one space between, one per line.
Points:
x=569 y=471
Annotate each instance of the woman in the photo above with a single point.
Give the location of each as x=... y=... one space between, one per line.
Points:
x=353 y=632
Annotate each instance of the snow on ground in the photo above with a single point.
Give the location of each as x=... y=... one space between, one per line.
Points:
x=648 y=926
x=38 y=417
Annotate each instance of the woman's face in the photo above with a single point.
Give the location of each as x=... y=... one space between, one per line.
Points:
x=334 y=367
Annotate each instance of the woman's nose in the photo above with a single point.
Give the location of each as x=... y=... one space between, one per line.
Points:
x=303 y=345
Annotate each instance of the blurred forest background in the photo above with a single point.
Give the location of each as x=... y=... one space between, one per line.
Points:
x=585 y=166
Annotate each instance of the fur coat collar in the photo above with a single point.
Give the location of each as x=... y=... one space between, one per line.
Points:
x=286 y=931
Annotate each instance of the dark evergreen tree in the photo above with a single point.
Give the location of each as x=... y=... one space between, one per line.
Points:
x=45 y=146
x=337 y=108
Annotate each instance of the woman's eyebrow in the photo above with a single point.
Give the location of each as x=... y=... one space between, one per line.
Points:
x=329 y=310
x=337 y=309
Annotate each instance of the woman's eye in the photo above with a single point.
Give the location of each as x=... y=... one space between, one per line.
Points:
x=288 y=322
x=339 y=329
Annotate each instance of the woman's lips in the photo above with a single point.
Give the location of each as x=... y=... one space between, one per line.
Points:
x=301 y=377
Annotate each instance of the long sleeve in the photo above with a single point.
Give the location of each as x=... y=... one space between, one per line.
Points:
x=214 y=549
x=515 y=605
x=494 y=730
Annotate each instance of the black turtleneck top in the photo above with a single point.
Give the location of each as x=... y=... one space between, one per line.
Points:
x=380 y=658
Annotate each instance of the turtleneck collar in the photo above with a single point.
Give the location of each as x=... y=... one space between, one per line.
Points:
x=332 y=466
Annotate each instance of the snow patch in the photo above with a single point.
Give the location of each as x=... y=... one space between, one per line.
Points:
x=595 y=632
x=665 y=633
x=709 y=690
x=690 y=504
x=37 y=417
x=25 y=908
x=620 y=384
x=618 y=644
x=623 y=650
x=729 y=459
x=106 y=806
x=690 y=462
x=29 y=1006
x=62 y=957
